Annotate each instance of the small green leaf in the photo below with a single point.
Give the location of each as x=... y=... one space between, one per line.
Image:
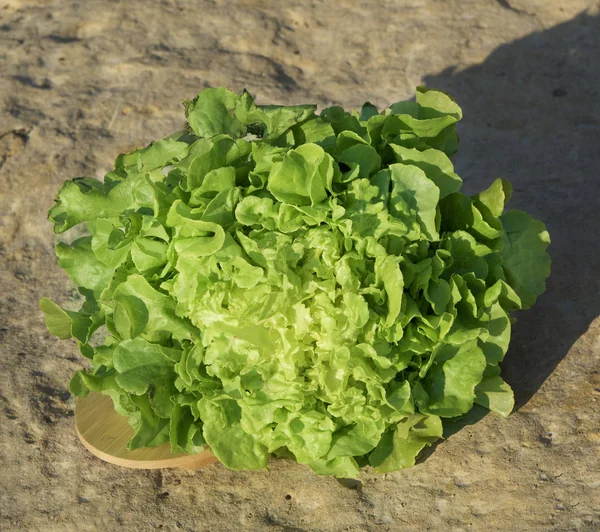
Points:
x=493 y=393
x=450 y=383
x=66 y=324
x=525 y=261
x=399 y=449
x=436 y=165
x=362 y=157
x=414 y=195
x=222 y=427
x=302 y=176
x=496 y=196
x=212 y=113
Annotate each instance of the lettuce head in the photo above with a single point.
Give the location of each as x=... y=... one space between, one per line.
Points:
x=273 y=280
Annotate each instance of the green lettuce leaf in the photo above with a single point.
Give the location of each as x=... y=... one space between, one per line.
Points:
x=493 y=393
x=399 y=449
x=525 y=261
x=302 y=176
x=448 y=389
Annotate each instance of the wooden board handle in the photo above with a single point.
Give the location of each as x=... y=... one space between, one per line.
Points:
x=105 y=434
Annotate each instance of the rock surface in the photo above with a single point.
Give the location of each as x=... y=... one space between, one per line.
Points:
x=83 y=81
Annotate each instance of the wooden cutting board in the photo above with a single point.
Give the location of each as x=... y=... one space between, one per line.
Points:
x=105 y=434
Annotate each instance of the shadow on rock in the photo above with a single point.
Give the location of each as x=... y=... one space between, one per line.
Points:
x=532 y=116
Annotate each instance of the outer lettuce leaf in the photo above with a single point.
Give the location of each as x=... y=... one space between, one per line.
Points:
x=357 y=439
x=414 y=195
x=150 y=429
x=139 y=309
x=212 y=113
x=493 y=393
x=525 y=261
x=429 y=122
x=185 y=432
x=496 y=344
x=496 y=196
x=343 y=467
x=222 y=428
x=141 y=364
x=221 y=111
x=157 y=155
x=82 y=265
x=448 y=389
x=436 y=165
x=86 y=199
x=399 y=449
x=66 y=324
x=302 y=176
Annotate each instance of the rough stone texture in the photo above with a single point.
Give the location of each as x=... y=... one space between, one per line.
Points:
x=82 y=81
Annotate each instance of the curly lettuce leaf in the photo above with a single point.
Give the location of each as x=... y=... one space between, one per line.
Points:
x=524 y=259
x=399 y=448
